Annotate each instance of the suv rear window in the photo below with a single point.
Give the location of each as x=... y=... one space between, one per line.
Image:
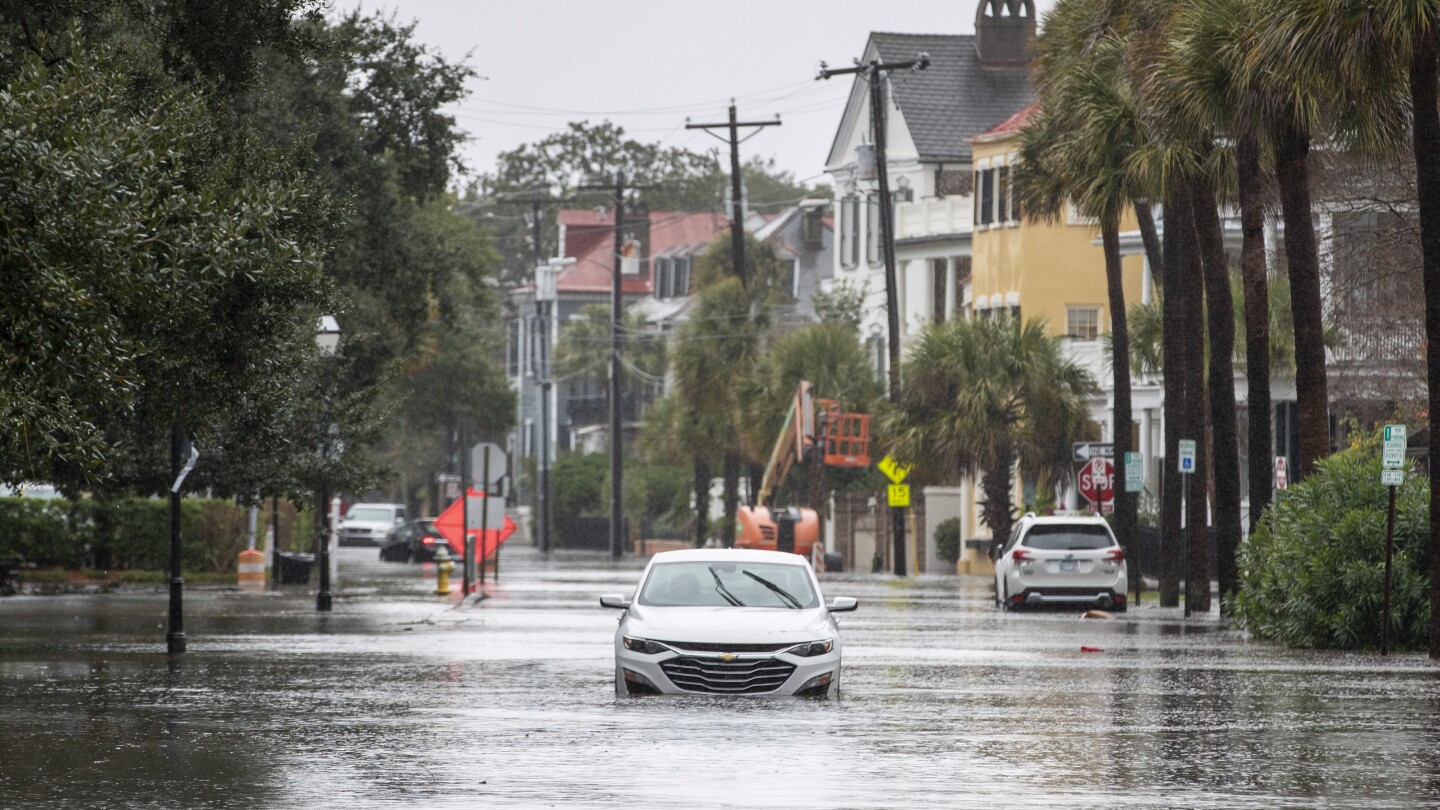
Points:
x=1067 y=538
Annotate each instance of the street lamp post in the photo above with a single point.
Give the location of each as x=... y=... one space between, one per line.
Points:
x=327 y=340
x=546 y=294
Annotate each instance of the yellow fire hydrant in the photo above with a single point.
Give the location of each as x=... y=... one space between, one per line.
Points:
x=442 y=571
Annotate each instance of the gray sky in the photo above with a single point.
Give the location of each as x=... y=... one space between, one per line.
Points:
x=647 y=64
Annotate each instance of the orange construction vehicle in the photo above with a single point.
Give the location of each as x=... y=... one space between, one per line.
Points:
x=837 y=439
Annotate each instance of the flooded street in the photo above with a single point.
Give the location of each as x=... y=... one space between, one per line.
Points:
x=402 y=698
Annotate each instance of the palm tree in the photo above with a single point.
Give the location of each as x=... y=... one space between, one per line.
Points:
x=1075 y=149
x=713 y=353
x=984 y=396
x=1207 y=71
x=1375 y=49
x=674 y=432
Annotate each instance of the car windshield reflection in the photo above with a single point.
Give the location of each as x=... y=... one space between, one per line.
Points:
x=727 y=584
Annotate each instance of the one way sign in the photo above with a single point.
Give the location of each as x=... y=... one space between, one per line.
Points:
x=1084 y=451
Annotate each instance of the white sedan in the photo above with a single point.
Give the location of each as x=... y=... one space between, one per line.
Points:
x=727 y=622
x=1072 y=560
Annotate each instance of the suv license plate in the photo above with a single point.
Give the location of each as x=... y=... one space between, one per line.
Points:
x=1069 y=566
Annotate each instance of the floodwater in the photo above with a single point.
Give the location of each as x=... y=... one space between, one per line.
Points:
x=400 y=698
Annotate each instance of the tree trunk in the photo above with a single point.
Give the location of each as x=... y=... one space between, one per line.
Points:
x=730 y=498
x=1151 y=238
x=1176 y=426
x=1125 y=502
x=1423 y=95
x=1257 y=329
x=1197 y=570
x=1225 y=450
x=702 y=503
x=1292 y=151
x=997 y=484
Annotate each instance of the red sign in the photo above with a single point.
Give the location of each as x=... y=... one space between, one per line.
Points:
x=1097 y=481
x=450 y=524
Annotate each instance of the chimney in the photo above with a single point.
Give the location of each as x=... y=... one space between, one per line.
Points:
x=1004 y=32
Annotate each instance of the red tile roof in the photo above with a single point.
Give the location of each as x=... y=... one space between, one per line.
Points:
x=1009 y=126
x=589 y=240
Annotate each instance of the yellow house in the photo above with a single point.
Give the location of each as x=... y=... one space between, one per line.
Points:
x=1054 y=271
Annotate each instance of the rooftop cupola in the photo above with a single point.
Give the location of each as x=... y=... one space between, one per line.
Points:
x=1004 y=32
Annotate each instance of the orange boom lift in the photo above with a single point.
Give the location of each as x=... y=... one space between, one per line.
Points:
x=840 y=439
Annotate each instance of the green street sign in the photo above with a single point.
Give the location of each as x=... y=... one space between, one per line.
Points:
x=1134 y=472
x=1393 y=451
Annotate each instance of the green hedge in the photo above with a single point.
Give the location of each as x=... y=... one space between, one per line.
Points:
x=1313 y=574
x=131 y=533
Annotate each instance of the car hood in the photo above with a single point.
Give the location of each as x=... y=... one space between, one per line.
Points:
x=727 y=625
x=367 y=524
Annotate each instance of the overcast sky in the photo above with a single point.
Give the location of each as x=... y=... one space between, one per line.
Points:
x=647 y=64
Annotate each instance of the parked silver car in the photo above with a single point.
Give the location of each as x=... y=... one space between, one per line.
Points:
x=1061 y=560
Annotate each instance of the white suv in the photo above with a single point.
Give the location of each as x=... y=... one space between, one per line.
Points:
x=367 y=524
x=1061 y=560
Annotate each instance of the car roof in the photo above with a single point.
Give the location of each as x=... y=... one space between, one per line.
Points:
x=728 y=555
x=1044 y=520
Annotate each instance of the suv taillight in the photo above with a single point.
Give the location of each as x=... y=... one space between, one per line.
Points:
x=1021 y=555
x=1115 y=555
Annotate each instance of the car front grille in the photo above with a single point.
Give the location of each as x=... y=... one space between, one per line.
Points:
x=716 y=677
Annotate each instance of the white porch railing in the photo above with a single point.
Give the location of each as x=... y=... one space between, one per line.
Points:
x=934 y=216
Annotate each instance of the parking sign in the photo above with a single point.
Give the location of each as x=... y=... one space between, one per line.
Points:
x=1187 y=456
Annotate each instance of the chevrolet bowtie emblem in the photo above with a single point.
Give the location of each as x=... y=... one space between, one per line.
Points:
x=727 y=657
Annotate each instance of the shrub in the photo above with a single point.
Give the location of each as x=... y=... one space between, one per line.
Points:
x=947 y=540
x=120 y=534
x=579 y=479
x=1313 y=574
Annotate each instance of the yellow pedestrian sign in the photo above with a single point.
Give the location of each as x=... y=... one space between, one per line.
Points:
x=899 y=495
x=894 y=471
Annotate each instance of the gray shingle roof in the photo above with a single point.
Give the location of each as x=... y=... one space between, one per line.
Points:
x=954 y=99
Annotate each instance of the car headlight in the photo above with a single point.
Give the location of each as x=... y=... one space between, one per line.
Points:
x=643 y=646
x=812 y=648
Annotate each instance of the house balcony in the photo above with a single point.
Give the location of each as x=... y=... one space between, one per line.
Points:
x=934 y=217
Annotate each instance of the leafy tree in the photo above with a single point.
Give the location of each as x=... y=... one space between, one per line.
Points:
x=560 y=165
x=585 y=343
x=160 y=278
x=831 y=358
x=984 y=396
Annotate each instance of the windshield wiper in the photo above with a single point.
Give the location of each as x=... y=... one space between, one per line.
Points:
x=781 y=592
x=722 y=590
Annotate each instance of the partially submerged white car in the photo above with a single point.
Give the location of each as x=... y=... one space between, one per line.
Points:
x=727 y=622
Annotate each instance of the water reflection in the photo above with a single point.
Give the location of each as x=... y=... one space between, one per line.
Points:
x=402 y=697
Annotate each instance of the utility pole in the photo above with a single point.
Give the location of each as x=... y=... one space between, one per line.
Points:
x=617 y=503
x=542 y=370
x=874 y=73
x=737 y=202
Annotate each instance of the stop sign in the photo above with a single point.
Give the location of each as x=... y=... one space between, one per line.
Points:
x=1097 y=480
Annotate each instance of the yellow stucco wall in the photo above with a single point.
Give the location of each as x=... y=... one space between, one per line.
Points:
x=1050 y=265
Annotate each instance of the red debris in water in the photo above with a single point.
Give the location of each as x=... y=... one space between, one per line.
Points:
x=1084 y=648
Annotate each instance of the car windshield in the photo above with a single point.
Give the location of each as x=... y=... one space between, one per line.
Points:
x=375 y=513
x=702 y=583
x=1067 y=538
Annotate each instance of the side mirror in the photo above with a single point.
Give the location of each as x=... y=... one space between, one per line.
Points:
x=619 y=602
x=843 y=604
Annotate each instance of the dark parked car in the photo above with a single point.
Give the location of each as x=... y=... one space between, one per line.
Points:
x=414 y=541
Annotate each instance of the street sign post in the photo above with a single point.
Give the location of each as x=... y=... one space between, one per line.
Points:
x=893 y=470
x=1186 y=453
x=1393 y=460
x=1134 y=472
x=1097 y=482
x=899 y=495
x=1084 y=451
x=1187 y=456
x=486 y=470
x=1393 y=452
x=450 y=522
